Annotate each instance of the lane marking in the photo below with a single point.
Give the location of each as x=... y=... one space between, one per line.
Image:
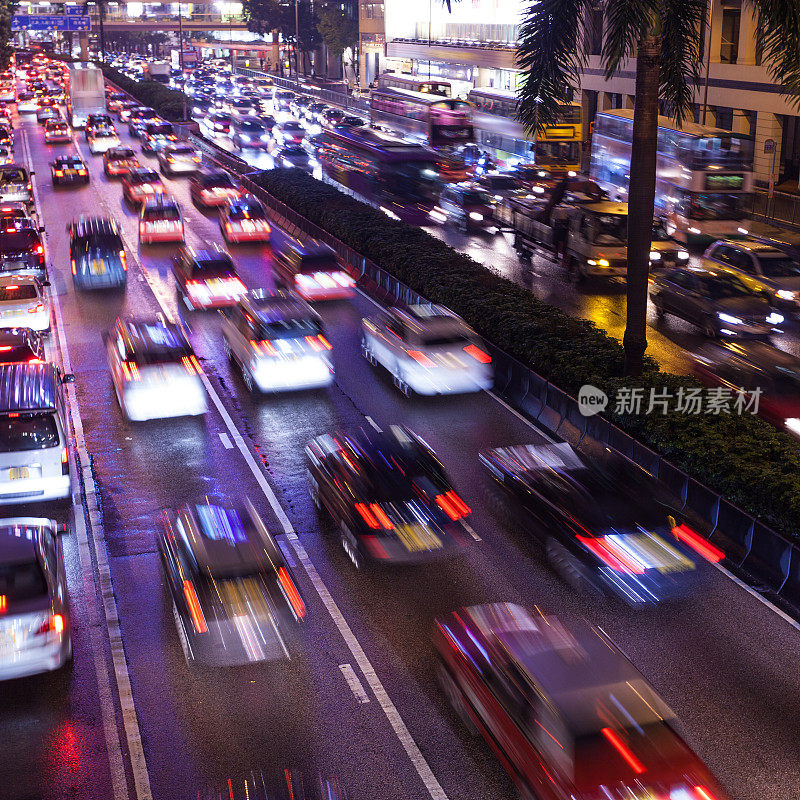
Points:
x=354 y=683
x=471 y=531
x=130 y=722
x=228 y=444
x=387 y=706
x=373 y=423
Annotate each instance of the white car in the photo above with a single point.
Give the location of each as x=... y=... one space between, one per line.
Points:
x=23 y=303
x=154 y=371
x=102 y=139
x=177 y=158
x=428 y=350
x=278 y=341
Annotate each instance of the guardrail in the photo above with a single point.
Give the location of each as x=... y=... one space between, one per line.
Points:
x=748 y=544
x=782 y=207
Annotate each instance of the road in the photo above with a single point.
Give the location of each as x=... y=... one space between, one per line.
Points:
x=723 y=661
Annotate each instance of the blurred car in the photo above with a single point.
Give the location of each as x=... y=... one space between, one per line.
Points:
x=350 y=121
x=35 y=624
x=178 y=158
x=250 y=133
x=125 y=108
x=113 y=100
x=278 y=341
x=118 y=161
x=761 y=267
x=387 y=494
x=15 y=211
x=295 y=155
x=57 y=130
x=718 y=302
x=97 y=254
x=8 y=93
x=15 y=184
x=467 y=206
x=160 y=220
x=213 y=187
x=289 y=132
x=312 y=269
x=755 y=367
x=155 y=372
x=155 y=136
x=330 y=117
x=427 y=350
x=44 y=113
x=20 y=345
x=26 y=102
x=206 y=278
x=139 y=183
x=605 y=525
x=95 y=121
x=6 y=137
x=241 y=106
x=101 y=139
x=665 y=251
x=563 y=708
x=244 y=219
x=500 y=185
x=299 y=104
x=34 y=458
x=201 y=106
x=23 y=304
x=281 y=99
x=217 y=123
x=66 y=170
x=139 y=117
x=6 y=155
x=235 y=597
x=21 y=249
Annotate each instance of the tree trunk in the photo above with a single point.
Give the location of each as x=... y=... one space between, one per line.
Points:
x=641 y=198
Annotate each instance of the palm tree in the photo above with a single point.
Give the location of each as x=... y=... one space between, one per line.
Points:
x=664 y=37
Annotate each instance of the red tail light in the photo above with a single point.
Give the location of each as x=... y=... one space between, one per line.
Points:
x=613 y=557
x=130 y=371
x=39 y=249
x=380 y=515
x=196 y=613
x=478 y=354
x=266 y=347
x=36 y=309
x=452 y=505
x=291 y=593
x=318 y=343
x=623 y=750
x=74 y=266
x=420 y=358
x=703 y=793
x=367 y=516
x=3 y=604
x=65 y=461
x=53 y=625
x=702 y=547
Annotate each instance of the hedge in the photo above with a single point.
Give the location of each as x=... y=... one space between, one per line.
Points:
x=167 y=102
x=742 y=457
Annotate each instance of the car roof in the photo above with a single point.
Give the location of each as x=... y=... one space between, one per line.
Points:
x=87 y=226
x=753 y=247
x=153 y=334
x=159 y=201
x=28 y=387
x=208 y=254
x=276 y=305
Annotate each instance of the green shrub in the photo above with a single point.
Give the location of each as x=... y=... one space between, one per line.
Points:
x=743 y=458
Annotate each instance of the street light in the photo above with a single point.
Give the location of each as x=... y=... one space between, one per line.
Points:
x=180 y=58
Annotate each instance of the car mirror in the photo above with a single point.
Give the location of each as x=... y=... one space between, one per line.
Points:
x=68 y=377
x=33 y=172
x=61 y=529
x=45 y=283
x=41 y=229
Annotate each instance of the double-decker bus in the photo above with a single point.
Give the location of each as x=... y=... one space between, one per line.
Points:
x=556 y=149
x=400 y=178
x=704 y=175
x=442 y=120
x=413 y=83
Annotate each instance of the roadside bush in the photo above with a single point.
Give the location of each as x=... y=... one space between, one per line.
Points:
x=167 y=102
x=743 y=458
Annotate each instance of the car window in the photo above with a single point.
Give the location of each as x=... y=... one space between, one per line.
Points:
x=22 y=581
x=11 y=292
x=27 y=432
x=779 y=266
x=742 y=260
x=722 y=253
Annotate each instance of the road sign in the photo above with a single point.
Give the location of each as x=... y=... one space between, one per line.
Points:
x=769 y=146
x=73 y=11
x=79 y=23
x=50 y=22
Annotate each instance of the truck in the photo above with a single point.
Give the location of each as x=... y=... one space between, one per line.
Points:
x=190 y=58
x=589 y=235
x=86 y=93
x=157 y=71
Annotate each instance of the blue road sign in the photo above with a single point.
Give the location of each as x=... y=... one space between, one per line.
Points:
x=79 y=23
x=50 y=22
x=73 y=11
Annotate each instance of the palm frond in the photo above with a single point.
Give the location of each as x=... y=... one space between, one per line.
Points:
x=779 y=34
x=625 y=21
x=681 y=54
x=551 y=54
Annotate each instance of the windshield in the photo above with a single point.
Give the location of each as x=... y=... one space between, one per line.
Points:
x=163 y=212
x=610 y=229
x=160 y=130
x=293 y=150
x=716 y=287
x=27 y=432
x=249 y=212
x=213 y=268
x=293 y=126
x=20 y=240
x=220 y=180
x=445 y=339
x=779 y=266
x=289 y=329
x=251 y=127
x=12 y=292
x=495 y=182
x=549 y=153
x=103 y=242
x=12 y=176
x=476 y=198
x=22 y=581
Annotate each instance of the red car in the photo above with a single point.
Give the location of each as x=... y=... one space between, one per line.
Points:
x=213 y=187
x=118 y=161
x=569 y=717
x=140 y=183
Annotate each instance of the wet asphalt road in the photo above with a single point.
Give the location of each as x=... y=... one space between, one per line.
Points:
x=724 y=662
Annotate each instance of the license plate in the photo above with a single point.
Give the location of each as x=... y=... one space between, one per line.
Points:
x=69 y=172
x=416 y=538
x=17 y=473
x=98 y=266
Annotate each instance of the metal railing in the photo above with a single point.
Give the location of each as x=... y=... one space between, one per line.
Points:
x=782 y=207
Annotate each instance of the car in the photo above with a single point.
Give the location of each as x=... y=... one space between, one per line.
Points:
x=212 y=187
x=563 y=708
x=312 y=269
x=97 y=254
x=6 y=137
x=350 y=121
x=35 y=629
x=15 y=211
x=295 y=155
x=21 y=249
x=45 y=112
x=500 y=185
x=468 y=207
x=235 y=598
x=160 y=220
x=201 y=106
x=178 y=158
x=762 y=267
x=313 y=111
x=21 y=345
x=57 y=131
x=605 y=525
x=113 y=100
x=94 y=121
x=69 y=170
x=34 y=458
x=139 y=116
x=206 y=278
x=118 y=161
x=15 y=184
x=387 y=495
x=139 y=183
x=249 y=133
x=154 y=370
x=244 y=219
x=715 y=300
x=6 y=155
x=125 y=108
x=157 y=135
x=281 y=99
x=8 y=93
x=331 y=116
x=26 y=102
x=23 y=304
x=427 y=350
x=218 y=123
x=289 y=132
x=101 y=139
x=278 y=342
x=241 y=106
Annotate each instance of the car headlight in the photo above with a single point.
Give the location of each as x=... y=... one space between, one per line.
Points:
x=785 y=294
x=683 y=255
x=793 y=424
x=603 y=262
x=244 y=137
x=695 y=231
x=774 y=318
x=729 y=319
x=655 y=255
x=743 y=231
x=476 y=216
x=287 y=163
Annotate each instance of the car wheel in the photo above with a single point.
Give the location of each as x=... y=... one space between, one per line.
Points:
x=454 y=698
x=401 y=383
x=366 y=351
x=350 y=550
x=710 y=329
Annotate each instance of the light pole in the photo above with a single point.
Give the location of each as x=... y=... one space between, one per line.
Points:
x=180 y=58
x=708 y=59
x=296 y=40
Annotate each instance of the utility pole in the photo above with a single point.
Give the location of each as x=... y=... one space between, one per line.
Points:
x=297 y=40
x=708 y=59
x=180 y=59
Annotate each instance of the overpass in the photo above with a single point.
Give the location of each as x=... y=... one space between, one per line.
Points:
x=197 y=22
